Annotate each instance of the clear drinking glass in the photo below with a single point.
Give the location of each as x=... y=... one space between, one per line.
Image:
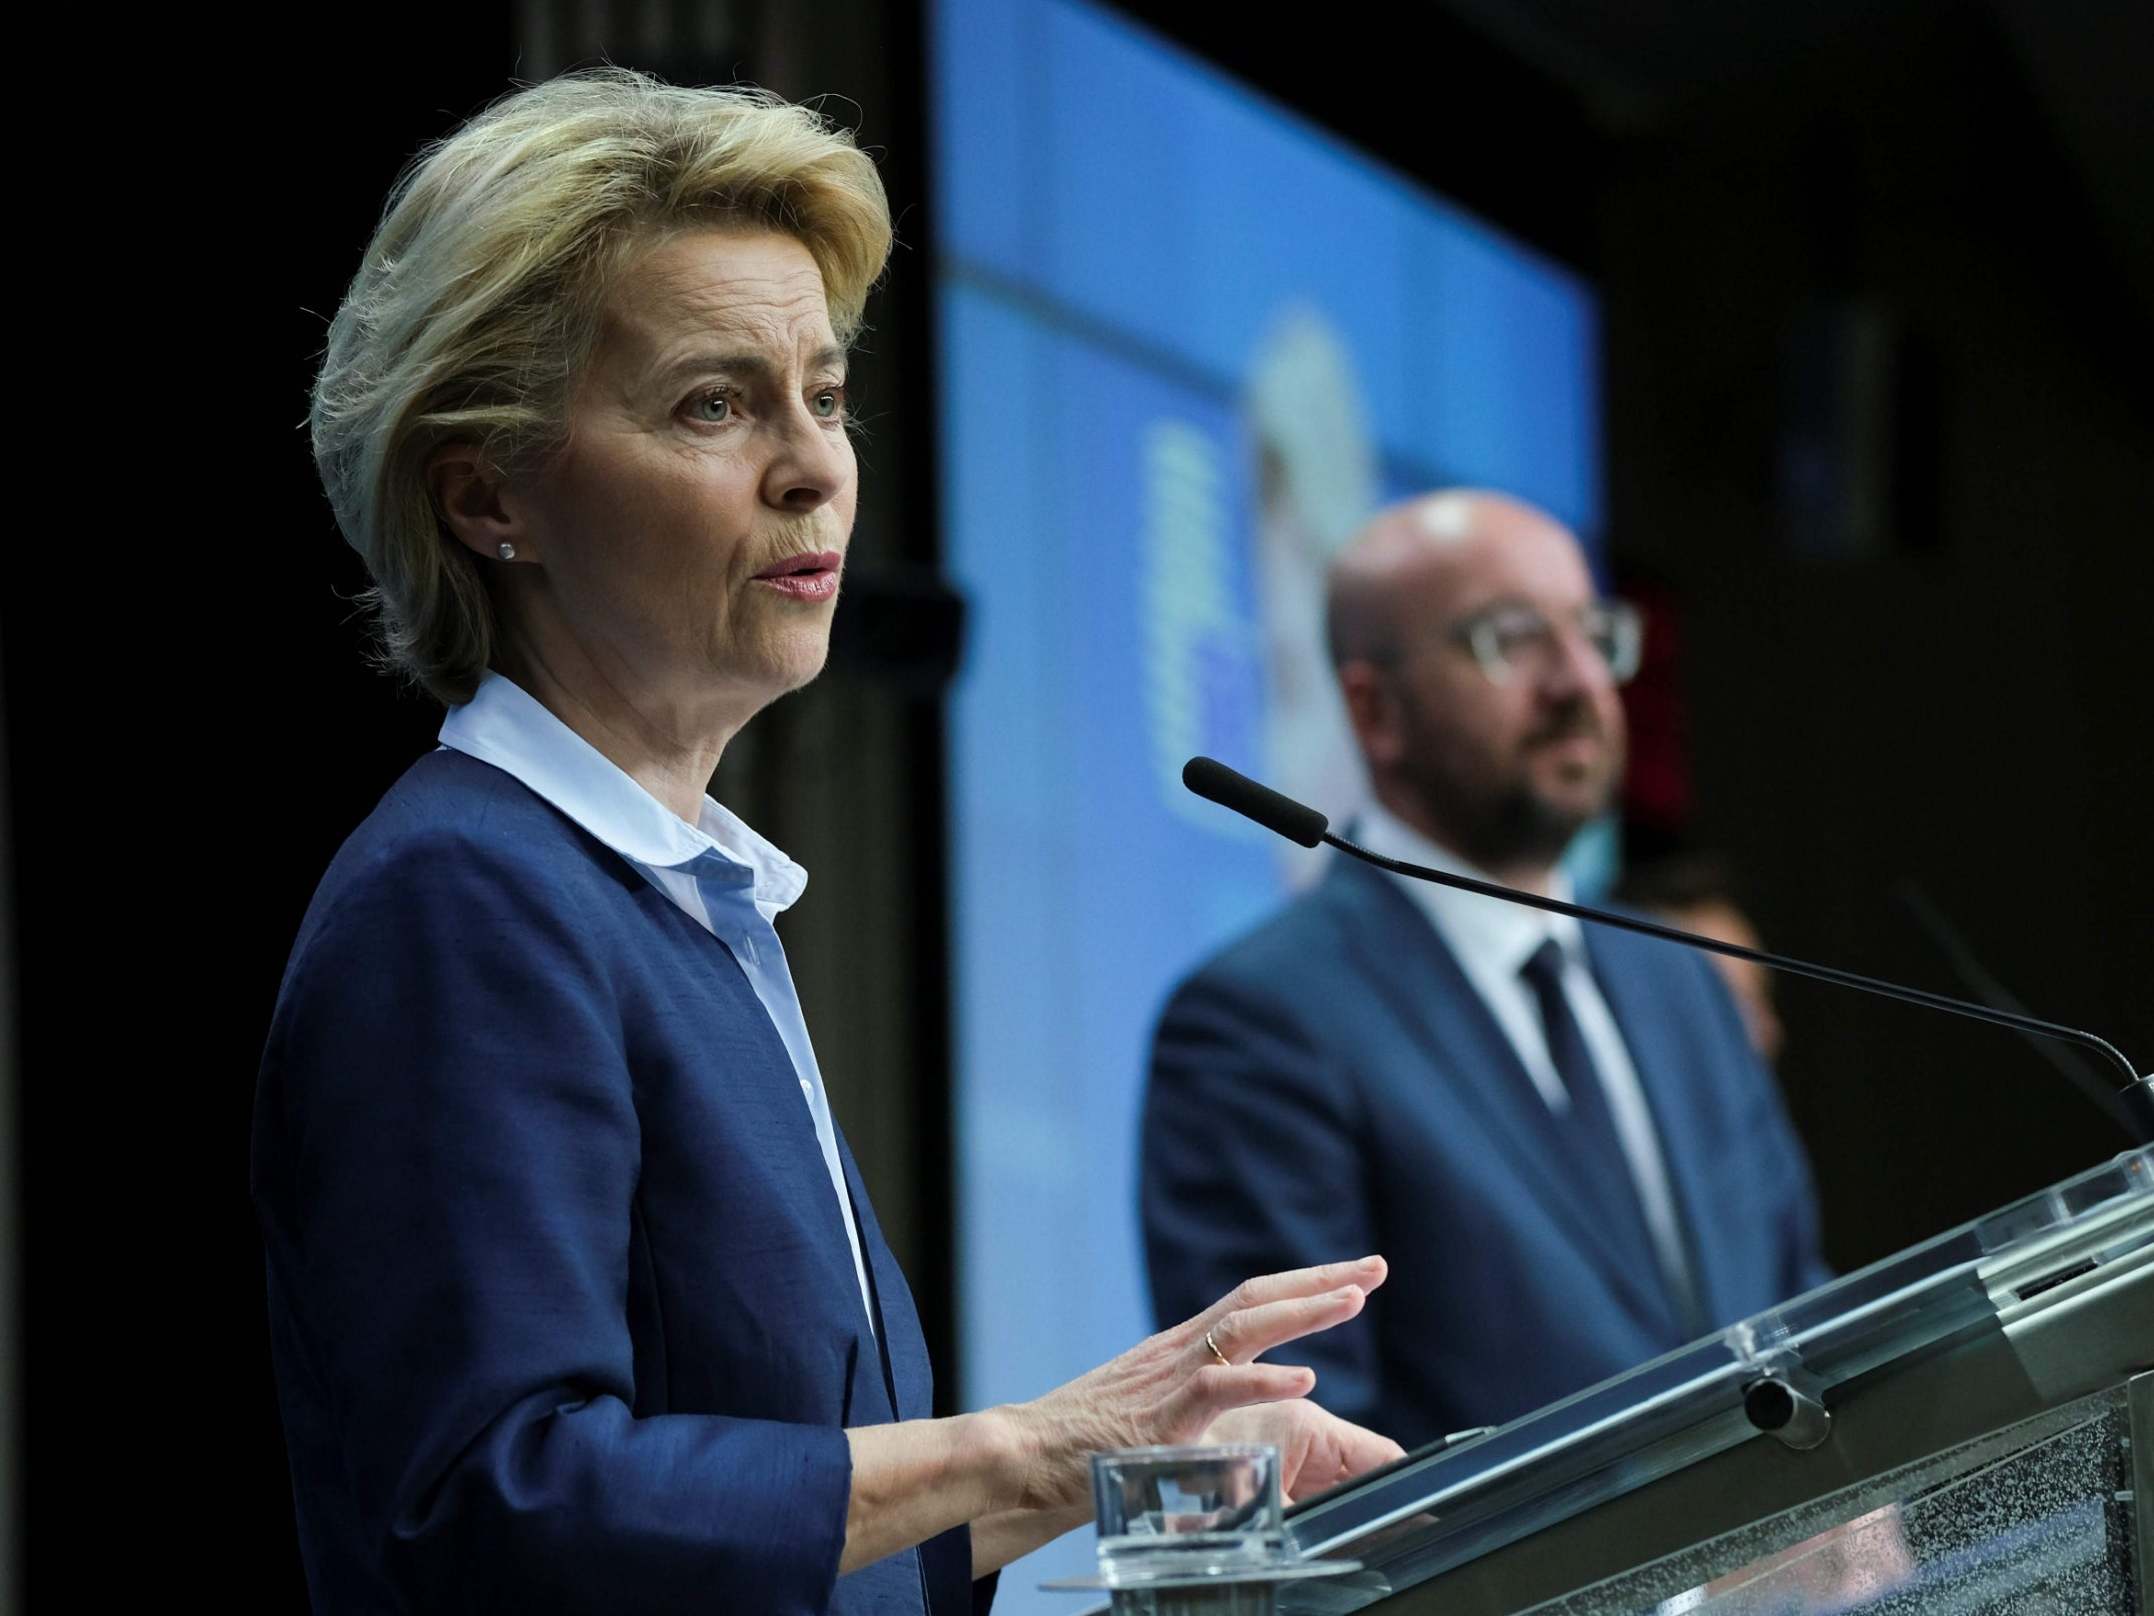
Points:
x=1196 y=1511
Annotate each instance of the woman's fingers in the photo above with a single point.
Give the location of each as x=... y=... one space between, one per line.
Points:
x=1366 y=1272
x=1170 y=1387
x=1317 y=1450
x=1250 y=1332
x=1362 y=1449
x=1211 y=1392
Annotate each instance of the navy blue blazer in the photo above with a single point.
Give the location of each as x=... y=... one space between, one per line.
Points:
x=1332 y=1085
x=562 y=1309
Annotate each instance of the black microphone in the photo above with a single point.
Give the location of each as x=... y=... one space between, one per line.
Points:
x=1297 y=822
x=2132 y=1106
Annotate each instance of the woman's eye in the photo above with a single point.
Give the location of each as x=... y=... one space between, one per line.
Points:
x=830 y=403
x=711 y=407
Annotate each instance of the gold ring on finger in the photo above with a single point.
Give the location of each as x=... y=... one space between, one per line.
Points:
x=1216 y=1353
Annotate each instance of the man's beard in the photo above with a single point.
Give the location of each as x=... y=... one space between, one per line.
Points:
x=1505 y=823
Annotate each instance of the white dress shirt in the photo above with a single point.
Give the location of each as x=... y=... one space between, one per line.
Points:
x=725 y=877
x=1492 y=940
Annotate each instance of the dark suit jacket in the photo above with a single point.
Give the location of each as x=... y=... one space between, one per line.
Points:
x=1332 y=1085
x=562 y=1309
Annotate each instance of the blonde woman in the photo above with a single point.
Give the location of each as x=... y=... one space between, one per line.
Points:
x=577 y=1302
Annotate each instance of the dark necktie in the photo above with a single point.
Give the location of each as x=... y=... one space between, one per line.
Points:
x=1589 y=1130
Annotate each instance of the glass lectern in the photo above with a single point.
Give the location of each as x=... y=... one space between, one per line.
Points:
x=1965 y=1427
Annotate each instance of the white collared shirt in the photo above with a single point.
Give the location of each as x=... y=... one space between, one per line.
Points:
x=725 y=877
x=1492 y=940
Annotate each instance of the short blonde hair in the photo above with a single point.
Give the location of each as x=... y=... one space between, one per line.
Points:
x=478 y=305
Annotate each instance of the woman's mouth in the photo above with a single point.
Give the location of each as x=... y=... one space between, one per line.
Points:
x=810 y=575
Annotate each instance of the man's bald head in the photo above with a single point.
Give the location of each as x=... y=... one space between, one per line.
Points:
x=1504 y=766
x=1411 y=558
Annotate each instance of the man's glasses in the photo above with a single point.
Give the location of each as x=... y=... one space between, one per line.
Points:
x=1519 y=642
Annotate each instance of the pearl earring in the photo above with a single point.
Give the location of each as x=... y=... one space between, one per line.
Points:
x=507 y=550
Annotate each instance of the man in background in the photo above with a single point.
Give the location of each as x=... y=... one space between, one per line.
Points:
x=1558 y=1133
x=1696 y=892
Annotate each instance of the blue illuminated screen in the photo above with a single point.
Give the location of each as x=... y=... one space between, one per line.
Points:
x=1187 y=343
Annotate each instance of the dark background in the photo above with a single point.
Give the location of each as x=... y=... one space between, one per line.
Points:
x=1878 y=287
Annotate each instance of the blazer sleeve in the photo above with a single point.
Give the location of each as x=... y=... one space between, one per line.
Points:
x=445 y=1159
x=1252 y=1161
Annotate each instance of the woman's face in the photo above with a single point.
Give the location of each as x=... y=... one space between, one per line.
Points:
x=689 y=536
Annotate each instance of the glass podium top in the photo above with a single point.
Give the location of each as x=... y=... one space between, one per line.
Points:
x=1988 y=1281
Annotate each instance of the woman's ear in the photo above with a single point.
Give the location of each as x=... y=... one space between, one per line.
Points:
x=468 y=492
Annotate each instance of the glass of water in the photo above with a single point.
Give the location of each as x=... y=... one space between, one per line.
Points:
x=1187 y=1512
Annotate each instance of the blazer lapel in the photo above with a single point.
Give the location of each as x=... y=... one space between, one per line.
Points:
x=1643 y=1019
x=773 y=1065
x=906 y=1376
x=944 y=1562
x=1414 y=970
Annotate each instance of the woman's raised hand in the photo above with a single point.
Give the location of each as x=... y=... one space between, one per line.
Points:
x=1170 y=1388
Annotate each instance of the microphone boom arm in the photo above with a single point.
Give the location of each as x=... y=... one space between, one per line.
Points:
x=2132 y=1106
x=1757 y=956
